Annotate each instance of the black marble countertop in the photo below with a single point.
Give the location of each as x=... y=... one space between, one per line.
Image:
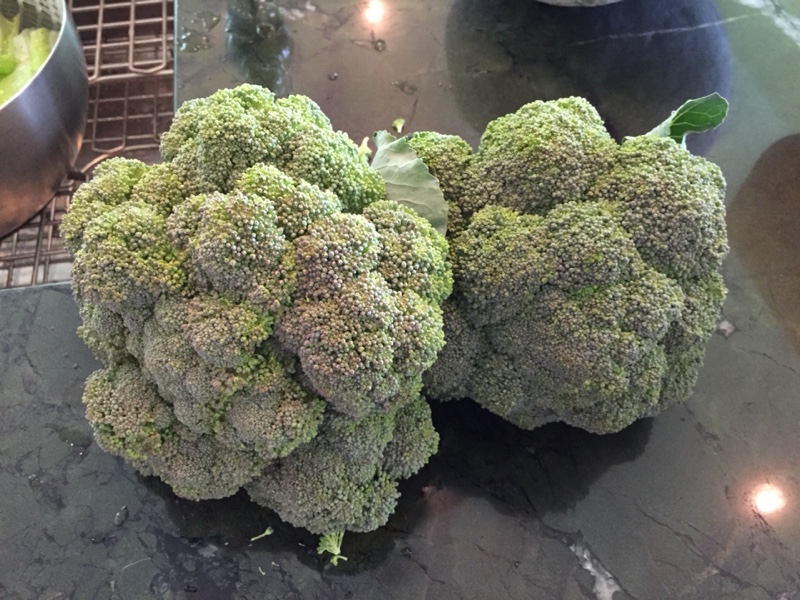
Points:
x=663 y=510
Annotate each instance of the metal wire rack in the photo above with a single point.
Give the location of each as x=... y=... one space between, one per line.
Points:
x=128 y=49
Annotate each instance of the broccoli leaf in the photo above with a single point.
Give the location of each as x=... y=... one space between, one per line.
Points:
x=408 y=180
x=694 y=116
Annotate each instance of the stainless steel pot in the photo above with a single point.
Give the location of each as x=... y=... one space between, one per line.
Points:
x=41 y=127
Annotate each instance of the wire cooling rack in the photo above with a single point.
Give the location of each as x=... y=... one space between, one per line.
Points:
x=128 y=50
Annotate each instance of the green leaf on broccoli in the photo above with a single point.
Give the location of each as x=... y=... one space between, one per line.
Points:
x=408 y=180
x=332 y=542
x=694 y=116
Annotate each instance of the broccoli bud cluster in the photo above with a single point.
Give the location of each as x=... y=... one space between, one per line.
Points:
x=263 y=313
x=586 y=272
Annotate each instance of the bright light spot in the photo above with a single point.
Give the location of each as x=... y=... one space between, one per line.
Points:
x=374 y=12
x=769 y=499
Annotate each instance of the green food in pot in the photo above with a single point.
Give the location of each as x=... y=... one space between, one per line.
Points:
x=22 y=54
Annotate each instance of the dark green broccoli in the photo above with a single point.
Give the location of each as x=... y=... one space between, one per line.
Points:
x=586 y=272
x=258 y=304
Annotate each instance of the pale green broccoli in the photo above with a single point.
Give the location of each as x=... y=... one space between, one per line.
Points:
x=256 y=299
x=586 y=272
x=332 y=544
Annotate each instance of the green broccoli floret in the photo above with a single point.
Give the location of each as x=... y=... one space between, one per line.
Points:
x=412 y=255
x=104 y=332
x=275 y=414
x=345 y=478
x=234 y=242
x=129 y=417
x=543 y=154
x=159 y=186
x=363 y=331
x=258 y=296
x=196 y=466
x=331 y=160
x=214 y=140
x=131 y=420
x=111 y=185
x=671 y=203
x=567 y=314
x=297 y=203
x=580 y=266
x=336 y=249
x=448 y=158
x=413 y=441
x=126 y=259
x=225 y=334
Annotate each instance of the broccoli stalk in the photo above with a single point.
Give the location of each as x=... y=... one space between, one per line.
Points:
x=332 y=543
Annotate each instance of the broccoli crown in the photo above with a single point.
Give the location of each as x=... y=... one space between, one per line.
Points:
x=586 y=273
x=257 y=305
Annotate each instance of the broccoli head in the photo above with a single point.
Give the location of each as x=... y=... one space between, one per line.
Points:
x=586 y=272
x=263 y=313
x=268 y=319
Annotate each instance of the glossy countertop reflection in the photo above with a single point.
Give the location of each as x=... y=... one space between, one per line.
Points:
x=699 y=503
